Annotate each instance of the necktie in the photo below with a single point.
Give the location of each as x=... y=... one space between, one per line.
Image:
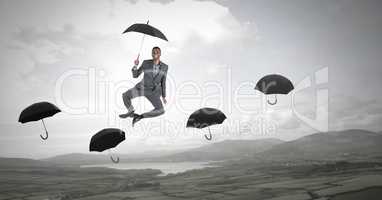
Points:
x=156 y=69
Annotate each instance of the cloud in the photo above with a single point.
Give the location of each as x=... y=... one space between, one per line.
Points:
x=35 y=56
x=251 y=38
x=352 y=112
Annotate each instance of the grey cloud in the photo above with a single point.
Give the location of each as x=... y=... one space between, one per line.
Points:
x=295 y=38
x=32 y=35
x=355 y=112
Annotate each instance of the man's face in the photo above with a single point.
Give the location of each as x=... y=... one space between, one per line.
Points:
x=156 y=53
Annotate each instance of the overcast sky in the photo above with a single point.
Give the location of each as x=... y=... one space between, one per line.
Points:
x=73 y=54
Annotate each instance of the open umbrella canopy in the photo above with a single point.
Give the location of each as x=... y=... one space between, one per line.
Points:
x=146 y=29
x=38 y=111
x=205 y=117
x=274 y=84
x=106 y=139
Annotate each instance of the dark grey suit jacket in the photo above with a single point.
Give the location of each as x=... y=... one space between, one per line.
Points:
x=151 y=83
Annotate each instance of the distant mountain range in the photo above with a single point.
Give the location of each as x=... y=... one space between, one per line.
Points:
x=104 y=158
x=347 y=144
x=228 y=149
x=75 y=159
x=23 y=162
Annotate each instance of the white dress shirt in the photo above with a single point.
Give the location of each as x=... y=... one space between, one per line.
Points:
x=155 y=69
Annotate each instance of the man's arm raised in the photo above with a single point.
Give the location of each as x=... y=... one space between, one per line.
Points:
x=136 y=72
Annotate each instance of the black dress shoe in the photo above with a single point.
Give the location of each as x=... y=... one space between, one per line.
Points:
x=128 y=114
x=136 y=118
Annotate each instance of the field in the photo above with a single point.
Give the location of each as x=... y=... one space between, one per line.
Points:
x=242 y=180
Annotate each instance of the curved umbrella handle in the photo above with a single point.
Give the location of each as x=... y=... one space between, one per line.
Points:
x=44 y=137
x=114 y=160
x=46 y=131
x=272 y=103
x=210 y=135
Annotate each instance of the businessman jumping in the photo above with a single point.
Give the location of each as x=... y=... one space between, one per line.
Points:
x=152 y=86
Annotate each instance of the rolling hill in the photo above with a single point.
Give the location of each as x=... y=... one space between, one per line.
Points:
x=23 y=163
x=228 y=149
x=348 y=144
x=351 y=144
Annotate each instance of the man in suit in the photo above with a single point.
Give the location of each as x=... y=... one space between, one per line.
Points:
x=152 y=86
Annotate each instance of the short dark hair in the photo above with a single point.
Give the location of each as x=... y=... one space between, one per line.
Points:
x=156 y=47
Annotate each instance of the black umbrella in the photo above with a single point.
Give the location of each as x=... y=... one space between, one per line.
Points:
x=274 y=84
x=206 y=117
x=106 y=139
x=38 y=111
x=146 y=29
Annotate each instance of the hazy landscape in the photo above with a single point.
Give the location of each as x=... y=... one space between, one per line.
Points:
x=334 y=165
x=293 y=86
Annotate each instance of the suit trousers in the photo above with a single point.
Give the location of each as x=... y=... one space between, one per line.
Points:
x=152 y=96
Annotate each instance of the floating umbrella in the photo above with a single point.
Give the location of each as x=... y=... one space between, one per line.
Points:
x=39 y=111
x=274 y=84
x=206 y=117
x=146 y=29
x=106 y=139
